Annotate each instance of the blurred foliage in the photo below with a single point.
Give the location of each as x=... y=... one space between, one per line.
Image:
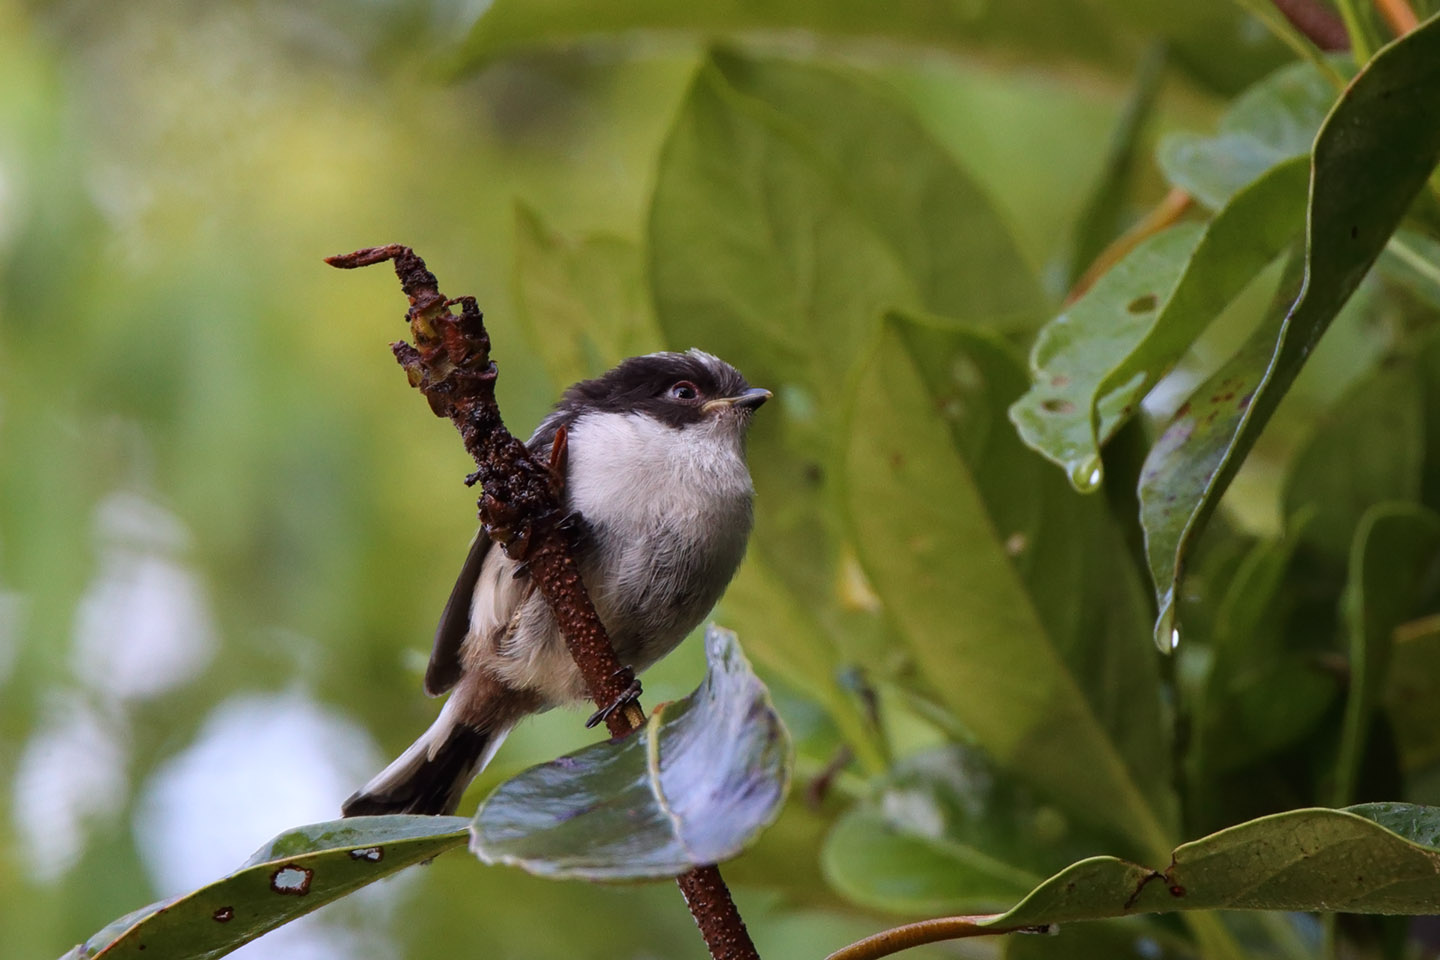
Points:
x=216 y=592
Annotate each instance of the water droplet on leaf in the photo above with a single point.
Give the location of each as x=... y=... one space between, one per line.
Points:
x=1085 y=475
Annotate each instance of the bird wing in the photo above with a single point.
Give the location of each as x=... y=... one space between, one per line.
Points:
x=445 y=667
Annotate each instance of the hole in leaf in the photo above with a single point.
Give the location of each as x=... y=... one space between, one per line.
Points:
x=1143 y=304
x=1056 y=405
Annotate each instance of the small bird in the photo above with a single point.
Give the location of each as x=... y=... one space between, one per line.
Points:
x=655 y=473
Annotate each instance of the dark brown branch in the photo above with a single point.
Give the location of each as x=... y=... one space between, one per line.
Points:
x=1318 y=22
x=521 y=510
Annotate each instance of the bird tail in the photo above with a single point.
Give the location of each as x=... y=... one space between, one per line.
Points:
x=433 y=773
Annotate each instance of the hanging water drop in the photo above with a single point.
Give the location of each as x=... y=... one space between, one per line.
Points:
x=1085 y=475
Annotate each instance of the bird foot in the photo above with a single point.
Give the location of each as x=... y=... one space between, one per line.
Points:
x=630 y=695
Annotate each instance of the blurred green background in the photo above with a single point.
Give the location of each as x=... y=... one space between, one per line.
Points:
x=227 y=525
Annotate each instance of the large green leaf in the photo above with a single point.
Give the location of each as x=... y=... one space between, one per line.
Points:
x=1094 y=363
x=1212 y=39
x=582 y=300
x=1030 y=632
x=1394 y=570
x=1274 y=121
x=779 y=233
x=508 y=27
x=295 y=873
x=780 y=229
x=1373 y=858
x=1373 y=155
x=949 y=831
x=696 y=786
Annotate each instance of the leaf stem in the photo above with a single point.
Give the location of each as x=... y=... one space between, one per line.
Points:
x=1362 y=39
x=891 y=941
x=522 y=512
x=1164 y=214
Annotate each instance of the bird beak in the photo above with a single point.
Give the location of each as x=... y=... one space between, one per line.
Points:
x=748 y=400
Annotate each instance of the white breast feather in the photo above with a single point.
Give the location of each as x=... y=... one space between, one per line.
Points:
x=644 y=478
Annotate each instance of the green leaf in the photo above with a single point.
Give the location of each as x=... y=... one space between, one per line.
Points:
x=780 y=230
x=508 y=27
x=1104 y=215
x=583 y=301
x=1274 y=121
x=1259 y=693
x=1368 y=448
x=790 y=641
x=696 y=786
x=779 y=234
x=1037 y=646
x=948 y=831
x=1393 y=569
x=1146 y=311
x=293 y=874
x=1373 y=858
x=1412 y=693
x=1373 y=155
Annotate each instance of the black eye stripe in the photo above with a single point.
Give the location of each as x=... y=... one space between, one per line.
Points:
x=644 y=385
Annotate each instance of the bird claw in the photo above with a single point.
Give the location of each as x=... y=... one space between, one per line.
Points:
x=630 y=695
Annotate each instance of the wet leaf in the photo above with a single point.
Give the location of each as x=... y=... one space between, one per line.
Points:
x=696 y=786
x=1044 y=664
x=1373 y=155
x=582 y=300
x=1146 y=311
x=293 y=874
x=949 y=831
x=1274 y=121
x=1394 y=569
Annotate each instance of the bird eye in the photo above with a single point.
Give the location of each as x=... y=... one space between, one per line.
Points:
x=684 y=390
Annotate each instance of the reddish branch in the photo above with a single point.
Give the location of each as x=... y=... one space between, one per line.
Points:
x=1318 y=22
x=522 y=511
